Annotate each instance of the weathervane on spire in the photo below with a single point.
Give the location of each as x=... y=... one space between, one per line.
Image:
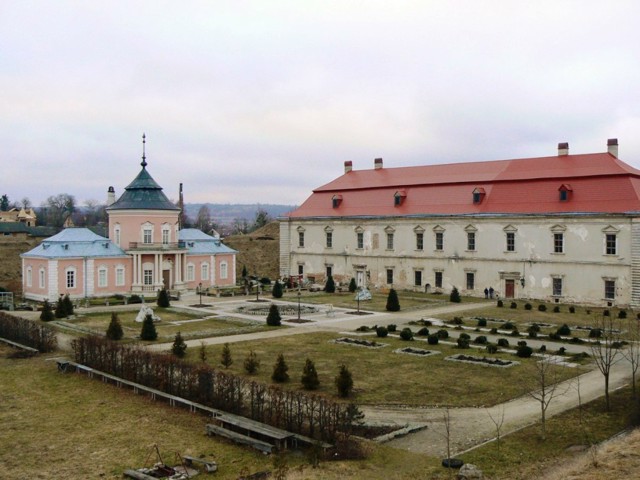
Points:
x=144 y=158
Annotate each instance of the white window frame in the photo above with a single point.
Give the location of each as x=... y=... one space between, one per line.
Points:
x=117 y=234
x=103 y=275
x=191 y=272
x=147 y=276
x=29 y=276
x=42 y=277
x=70 y=277
x=120 y=275
x=224 y=270
x=204 y=271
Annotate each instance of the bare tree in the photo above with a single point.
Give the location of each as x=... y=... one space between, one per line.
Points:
x=498 y=421
x=203 y=219
x=57 y=208
x=632 y=352
x=606 y=352
x=546 y=384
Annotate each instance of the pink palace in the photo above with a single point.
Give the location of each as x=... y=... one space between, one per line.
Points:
x=146 y=251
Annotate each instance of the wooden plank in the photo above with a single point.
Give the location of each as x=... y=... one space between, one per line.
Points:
x=19 y=345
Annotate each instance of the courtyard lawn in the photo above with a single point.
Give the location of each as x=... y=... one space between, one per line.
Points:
x=173 y=320
x=384 y=377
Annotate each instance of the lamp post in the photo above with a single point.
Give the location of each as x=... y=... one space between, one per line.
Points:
x=358 y=299
x=200 y=291
x=298 y=301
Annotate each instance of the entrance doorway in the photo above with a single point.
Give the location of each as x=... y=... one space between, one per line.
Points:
x=360 y=278
x=509 y=288
x=166 y=278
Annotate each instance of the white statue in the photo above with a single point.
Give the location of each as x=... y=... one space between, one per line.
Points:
x=144 y=311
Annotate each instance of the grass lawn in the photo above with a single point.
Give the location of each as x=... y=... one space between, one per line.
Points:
x=382 y=376
x=172 y=321
x=524 y=455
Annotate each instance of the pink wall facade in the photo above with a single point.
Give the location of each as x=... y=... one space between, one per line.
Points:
x=131 y=224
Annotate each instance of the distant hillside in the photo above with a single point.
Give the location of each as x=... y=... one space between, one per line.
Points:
x=259 y=251
x=225 y=214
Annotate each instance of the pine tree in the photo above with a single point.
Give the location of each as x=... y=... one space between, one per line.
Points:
x=454 y=297
x=226 y=359
x=47 y=312
x=60 y=310
x=202 y=352
x=274 y=319
x=251 y=363
x=148 y=331
x=163 y=298
x=310 y=380
x=393 y=304
x=344 y=382
x=179 y=348
x=244 y=271
x=67 y=305
x=114 y=331
x=280 y=370
x=277 y=290
x=330 y=286
x=352 y=285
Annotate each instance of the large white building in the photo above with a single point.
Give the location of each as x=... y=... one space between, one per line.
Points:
x=561 y=228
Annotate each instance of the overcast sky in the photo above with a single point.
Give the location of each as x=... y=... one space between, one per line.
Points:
x=263 y=101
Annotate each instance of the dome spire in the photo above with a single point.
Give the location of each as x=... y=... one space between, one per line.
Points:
x=144 y=158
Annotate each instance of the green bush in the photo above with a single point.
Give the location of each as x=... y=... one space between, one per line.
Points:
x=114 y=330
x=500 y=304
x=524 y=351
x=522 y=343
x=481 y=340
x=503 y=342
x=564 y=330
x=163 y=298
x=330 y=286
x=276 y=291
x=225 y=356
x=492 y=349
x=515 y=332
x=274 y=318
x=352 y=285
x=393 y=304
x=382 y=332
x=68 y=305
x=406 y=334
x=280 y=370
x=309 y=379
x=344 y=382
x=572 y=309
x=442 y=334
x=423 y=332
x=527 y=306
x=47 y=312
x=542 y=349
x=251 y=363
x=457 y=321
x=454 y=296
x=465 y=336
x=542 y=307
x=179 y=347
x=432 y=339
x=482 y=322
x=463 y=343
x=622 y=314
x=135 y=299
x=493 y=331
x=556 y=309
x=606 y=313
x=561 y=351
x=595 y=333
x=513 y=305
x=60 y=310
x=508 y=326
x=148 y=331
x=391 y=327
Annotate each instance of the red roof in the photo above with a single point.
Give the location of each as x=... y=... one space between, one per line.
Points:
x=599 y=183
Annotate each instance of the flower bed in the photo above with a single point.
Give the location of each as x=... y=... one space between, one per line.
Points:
x=416 y=351
x=483 y=361
x=358 y=342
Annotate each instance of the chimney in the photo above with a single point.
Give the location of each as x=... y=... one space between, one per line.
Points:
x=563 y=149
x=111 y=196
x=612 y=146
x=348 y=166
x=377 y=163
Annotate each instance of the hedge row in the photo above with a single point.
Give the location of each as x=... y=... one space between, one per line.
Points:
x=26 y=332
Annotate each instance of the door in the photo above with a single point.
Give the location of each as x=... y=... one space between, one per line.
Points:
x=360 y=278
x=166 y=278
x=509 y=288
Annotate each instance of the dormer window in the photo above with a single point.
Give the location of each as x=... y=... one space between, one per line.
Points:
x=399 y=197
x=478 y=195
x=565 y=192
x=336 y=200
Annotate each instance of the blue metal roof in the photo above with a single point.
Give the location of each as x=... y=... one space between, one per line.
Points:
x=198 y=242
x=73 y=243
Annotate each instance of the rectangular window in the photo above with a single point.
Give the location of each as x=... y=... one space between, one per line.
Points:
x=329 y=239
x=611 y=244
x=71 y=279
x=148 y=275
x=204 y=273
x=117 y=236
x=439 y=240
x=42 y=278
x=165 y=237
x=300 y=269
x=389 y=276
x=389 y=241
x=419 y=241
x=146 y=238
x=301 y=239
x=360 y=240
x=558 y=243
x=610 y=289
x=102 y=277
x=471 y=241
x=511 y=242
x=471 y=279
x=417 y=276
x=29 y=278
x=438 y=280
x=223 y=270
x=329 y=271
x=119 y=276
x=557 y=287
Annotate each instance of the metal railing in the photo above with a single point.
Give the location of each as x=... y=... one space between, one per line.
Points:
x=157 y=246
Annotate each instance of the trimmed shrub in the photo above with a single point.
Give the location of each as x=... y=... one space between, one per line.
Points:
x=60 y=310
x=463 y=343
x=622 y=314
x=382 y=332
x=522 y=343
x=542 y=349
x=179 y=348
x=114 y=330
x=251 y=363
x=406 y=334
x=503 y=342
x=163 y=298
x=309 y=379
x=508 y=326
x=135 y=299
x=352 y=285
x=572 y=309
x=423 y=332
x=274 y=318
x=265 y=281
x=595 y=333
x=465 y=336
x=556 y=309
x=564 y=330
x=542 y=307
x=47 y=312
x=515 y=332
x=561 y=351
x=482 y=322
x=442 y=334
x=513 y=305
x=500 y=304
x=68 y=305
x=481 y=340
x=330 y=286
x=527 y=306
x=606 y=313
x=225 y=357
x=344 y=382
x=493 y=331
x=457 y=321
x=393 y=304
x=148 y=331
x=276 y=291
x=432 y=339
x=391 y=327
x=524 y=351
x=280 y=370
x=492 y=349
x=454 y=296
